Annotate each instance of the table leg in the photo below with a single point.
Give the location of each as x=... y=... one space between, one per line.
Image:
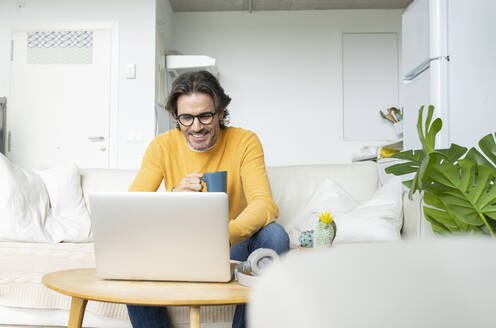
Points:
x=78 y=305
x=194 y=316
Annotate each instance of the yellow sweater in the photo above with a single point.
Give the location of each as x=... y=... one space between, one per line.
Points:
x=238 y=152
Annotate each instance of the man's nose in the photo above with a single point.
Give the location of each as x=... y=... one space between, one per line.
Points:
x=197 y=126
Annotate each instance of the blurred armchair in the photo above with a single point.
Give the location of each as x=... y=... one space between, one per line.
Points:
x=420 y=283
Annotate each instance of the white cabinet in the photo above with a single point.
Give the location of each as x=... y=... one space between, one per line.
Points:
x=415 y=30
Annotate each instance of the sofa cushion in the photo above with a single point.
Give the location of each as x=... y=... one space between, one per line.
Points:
x=24 y=204
x=44 y=206
x=22 y=265
x=293 y=186
x=330 y=197
x=377 y=219
x=72 y=223
x=105 y=180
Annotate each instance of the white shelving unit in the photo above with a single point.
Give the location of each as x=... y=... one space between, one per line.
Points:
x=177 y=64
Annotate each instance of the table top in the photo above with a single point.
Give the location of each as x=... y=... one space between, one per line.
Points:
x=84 y=283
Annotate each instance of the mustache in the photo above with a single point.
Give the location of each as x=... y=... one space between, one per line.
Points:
x=201 y=131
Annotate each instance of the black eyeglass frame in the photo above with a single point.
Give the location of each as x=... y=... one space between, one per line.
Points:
x=211 y=115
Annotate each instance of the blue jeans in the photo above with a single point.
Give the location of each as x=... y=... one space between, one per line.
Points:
x=271 y=236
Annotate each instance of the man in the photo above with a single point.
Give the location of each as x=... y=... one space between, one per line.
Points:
x=202 y=143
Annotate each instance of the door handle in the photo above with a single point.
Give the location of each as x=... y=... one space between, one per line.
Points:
x=96 y=138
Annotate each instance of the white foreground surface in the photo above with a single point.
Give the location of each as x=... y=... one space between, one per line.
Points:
x=430 y=284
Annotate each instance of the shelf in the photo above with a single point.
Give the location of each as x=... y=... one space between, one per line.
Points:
x=177 y=64
x=183 y=61
x=394 y=144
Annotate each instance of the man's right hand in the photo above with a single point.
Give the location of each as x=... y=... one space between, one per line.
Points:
x=191 y=182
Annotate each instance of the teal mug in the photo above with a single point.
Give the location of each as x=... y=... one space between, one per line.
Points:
x=215 y=181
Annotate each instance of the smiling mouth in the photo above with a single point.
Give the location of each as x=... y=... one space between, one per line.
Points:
x=199 y=135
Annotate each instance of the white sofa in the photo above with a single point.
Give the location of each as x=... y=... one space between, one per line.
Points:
x=24 y=301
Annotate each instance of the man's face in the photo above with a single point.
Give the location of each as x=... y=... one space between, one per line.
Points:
x=200 y=137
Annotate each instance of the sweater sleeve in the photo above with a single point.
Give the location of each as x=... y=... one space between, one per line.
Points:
x=261 y=208
x=150 y=175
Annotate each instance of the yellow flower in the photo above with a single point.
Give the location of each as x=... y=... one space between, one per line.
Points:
x=326 y=217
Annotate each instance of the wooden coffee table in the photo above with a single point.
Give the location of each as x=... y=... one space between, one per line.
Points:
x=84 y=285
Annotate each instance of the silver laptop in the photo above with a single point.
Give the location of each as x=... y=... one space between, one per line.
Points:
x=180 y=236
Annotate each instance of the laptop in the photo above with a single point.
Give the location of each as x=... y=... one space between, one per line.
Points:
x=180 y=236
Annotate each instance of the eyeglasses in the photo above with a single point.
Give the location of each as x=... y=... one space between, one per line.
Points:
x=204 y=118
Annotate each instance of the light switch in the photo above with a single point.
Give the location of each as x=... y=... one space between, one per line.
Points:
x=20 y=5
x=131 y=71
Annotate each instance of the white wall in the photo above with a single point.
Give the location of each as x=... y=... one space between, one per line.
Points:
x=472 y=71
x=164 y=21
x=283 y=72
x=136 y=20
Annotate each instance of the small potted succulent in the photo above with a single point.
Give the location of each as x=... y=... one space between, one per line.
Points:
x=325 y=231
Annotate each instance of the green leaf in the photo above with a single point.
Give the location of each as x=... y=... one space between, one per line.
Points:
x=419 y=127
x=460 y=193
x=488 y=145
x=433 y=131
x=410 y=155
x=438 y=227
x=442 y=214
x=413 y=186
x=428 y=139
x=453 y=153
x=413 y=160
x=470 y=196
x=432 y=200
x=442 y=171
x=428 y=119
x=476 y=156
x=402 y=168
x=425 y=168
x=463 y=209
x=487 y=196
x=467 y=173
x=441 y=217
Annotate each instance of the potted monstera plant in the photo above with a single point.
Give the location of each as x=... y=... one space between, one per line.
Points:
x=458 y=186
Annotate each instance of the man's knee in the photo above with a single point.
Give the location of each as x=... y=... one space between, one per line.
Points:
x=273 y=236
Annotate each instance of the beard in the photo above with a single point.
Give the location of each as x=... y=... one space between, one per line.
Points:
x=202 y=140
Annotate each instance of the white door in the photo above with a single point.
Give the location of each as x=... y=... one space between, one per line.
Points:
x=59 y=105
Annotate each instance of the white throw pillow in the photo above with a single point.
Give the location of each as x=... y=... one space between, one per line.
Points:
x=44 y=207
x=24 y=204
x=330 y=197
x=69 y=219
x=378 y=219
